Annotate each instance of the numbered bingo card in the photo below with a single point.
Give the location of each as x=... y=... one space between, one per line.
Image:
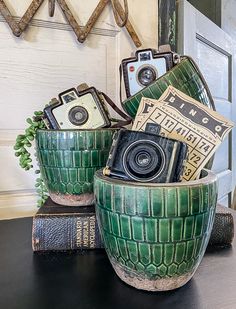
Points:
x=185 y=119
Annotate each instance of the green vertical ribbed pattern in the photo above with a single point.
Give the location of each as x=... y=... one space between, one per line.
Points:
x=69 y=159
x=158 y=231
x=184 y=76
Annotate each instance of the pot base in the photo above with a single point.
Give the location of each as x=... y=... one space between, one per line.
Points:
x=141 y=282
x=85 y=199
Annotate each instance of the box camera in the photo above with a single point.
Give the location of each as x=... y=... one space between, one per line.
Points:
x=146 y=157
x=147 y=65
x=77 y=110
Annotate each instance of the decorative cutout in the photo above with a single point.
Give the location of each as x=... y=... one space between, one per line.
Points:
x=120 y=14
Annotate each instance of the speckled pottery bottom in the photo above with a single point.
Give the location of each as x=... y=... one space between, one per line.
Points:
x=155 y=235
x=85 y=199
x=142 y=282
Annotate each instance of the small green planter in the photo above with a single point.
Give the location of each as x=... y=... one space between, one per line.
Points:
x=68 y=160
x=155 y=235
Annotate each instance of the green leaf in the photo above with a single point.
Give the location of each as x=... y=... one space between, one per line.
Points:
x=38 y=113
x=23 y=141
x=36 y=124
x=23 y=164
x=29 y=120
x=19 y=140
x=20 y=137
x=17 y=147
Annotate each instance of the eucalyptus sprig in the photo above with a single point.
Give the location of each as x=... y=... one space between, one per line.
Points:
x=24 y=141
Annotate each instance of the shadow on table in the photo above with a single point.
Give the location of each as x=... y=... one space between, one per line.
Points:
x=87 y=280
x=223 y=251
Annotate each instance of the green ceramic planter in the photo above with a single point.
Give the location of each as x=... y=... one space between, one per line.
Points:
x=155 y=235
x=185 y=76
x=68 y=160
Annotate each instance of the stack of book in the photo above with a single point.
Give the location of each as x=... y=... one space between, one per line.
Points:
x=60 y=228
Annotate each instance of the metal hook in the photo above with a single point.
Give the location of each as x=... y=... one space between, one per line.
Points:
x=51 y=7
x=120 y=22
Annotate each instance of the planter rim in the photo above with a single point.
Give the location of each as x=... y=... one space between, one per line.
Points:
x=76 y=130
x=210 y=177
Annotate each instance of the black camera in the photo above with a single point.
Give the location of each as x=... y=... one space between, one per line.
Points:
x=83 y=109
x=146 y=157
x=147 y=65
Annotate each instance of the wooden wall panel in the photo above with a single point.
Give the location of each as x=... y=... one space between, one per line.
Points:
x=46 y=60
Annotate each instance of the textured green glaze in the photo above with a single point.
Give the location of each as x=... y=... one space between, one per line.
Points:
x=155 y=232
x=68 y=159
x=185 y=76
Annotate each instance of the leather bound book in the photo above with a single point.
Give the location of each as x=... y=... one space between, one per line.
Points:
x=60 y=228
x=223 y=228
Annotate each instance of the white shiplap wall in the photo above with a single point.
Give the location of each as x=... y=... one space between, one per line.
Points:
x=46 y=60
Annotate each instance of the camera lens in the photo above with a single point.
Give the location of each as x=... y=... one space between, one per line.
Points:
x=146 y=75
x=144 y=160
x=78 y=115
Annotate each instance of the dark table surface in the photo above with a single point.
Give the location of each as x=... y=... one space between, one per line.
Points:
x=87 y=280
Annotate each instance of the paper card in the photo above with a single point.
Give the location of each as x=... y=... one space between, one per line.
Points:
x=183 y=118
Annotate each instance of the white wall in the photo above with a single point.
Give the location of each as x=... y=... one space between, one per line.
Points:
x=46 y=60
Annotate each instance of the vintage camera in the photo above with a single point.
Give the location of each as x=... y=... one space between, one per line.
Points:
x=147 y=65
x=77 y=110
x=146 y=157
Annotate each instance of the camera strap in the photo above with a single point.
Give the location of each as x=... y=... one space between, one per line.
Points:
x=120 y=123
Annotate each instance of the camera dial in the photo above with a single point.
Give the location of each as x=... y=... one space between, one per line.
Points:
x=78 y=115
x=144 y=160
x=146 y=75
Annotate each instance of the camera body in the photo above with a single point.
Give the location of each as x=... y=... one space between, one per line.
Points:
x=146 y=157
x=147 y=65
x=77 y=110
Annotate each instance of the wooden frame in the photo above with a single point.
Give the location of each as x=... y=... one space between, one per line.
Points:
x=195 y=31
x=167 y=23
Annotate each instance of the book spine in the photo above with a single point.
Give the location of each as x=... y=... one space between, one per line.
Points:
x=65 y=232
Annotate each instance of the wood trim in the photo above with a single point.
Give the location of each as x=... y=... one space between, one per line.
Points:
x=212 y=45
x=64 y=27
x=205 y=27
x=225 y=183
x=8 y=137
x=18 y=204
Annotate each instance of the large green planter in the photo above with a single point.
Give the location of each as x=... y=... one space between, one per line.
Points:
x=155 y=235
x=68 y=160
